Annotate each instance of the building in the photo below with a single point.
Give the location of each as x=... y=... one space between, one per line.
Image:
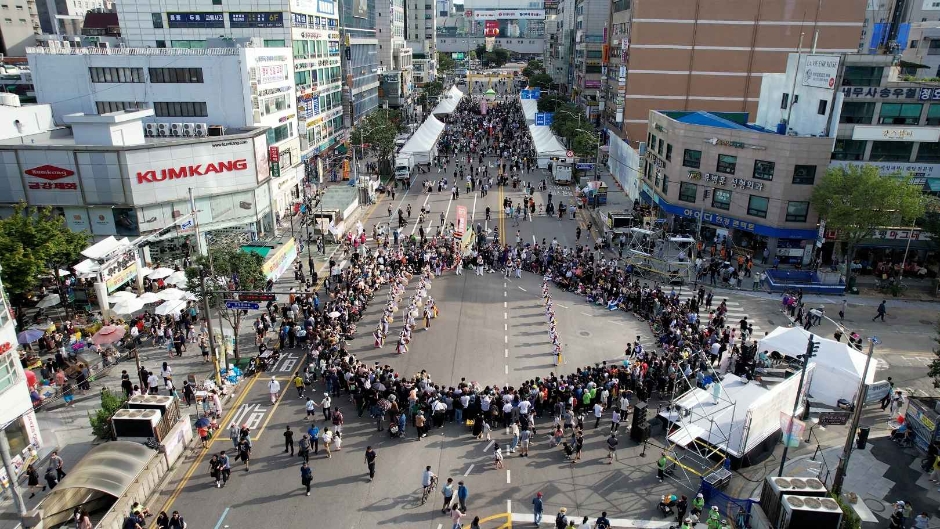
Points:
x=108 y=178
x=614 y=65
x=360 y=60
x=591 y=19
x=711 y=54
x=421 y=35
x=17 y=418
x=19 y=25
x=310 y=28
x=101 y=24
x=67 y=17
x=395 y=57
x=918 y=40
x=512 y=24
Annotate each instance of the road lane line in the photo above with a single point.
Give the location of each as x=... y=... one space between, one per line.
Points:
x=505 y=293
x=522 y=289
x=505 y=315
x=487 y=447
x=282 y=396
x=467 y=473
x=222 y=518
x=505 y=339
x=509 y=510
x=506 y=353
x=506 y=327
x=586 y=314
x=507 y=369
x=616 y=322
x=562 y=306
x=473 y=212
x=508 y=480
x=505 y=304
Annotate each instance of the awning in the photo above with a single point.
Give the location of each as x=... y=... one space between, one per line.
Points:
x=423 y=140
x=448 y=102
x=933 y=184
x=546 y=144
x=102 y=249
x=98 y=479
x=529 y=108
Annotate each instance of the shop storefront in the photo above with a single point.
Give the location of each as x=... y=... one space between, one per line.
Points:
x=17 y=417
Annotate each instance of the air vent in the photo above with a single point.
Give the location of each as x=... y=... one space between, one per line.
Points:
x=797 y=483
x=783 y=483
x=813 y=483
x=812 y=503
x=829 y=503
x=795 y=501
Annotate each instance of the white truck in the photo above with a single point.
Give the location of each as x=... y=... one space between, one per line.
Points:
x=404 y=166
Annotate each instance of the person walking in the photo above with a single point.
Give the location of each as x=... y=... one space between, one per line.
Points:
x=274 y=387
x=304 y=448
x=299 y=384
x=327 y=440
x=32 y=480
x=497 y=456
x=612 y=443
x=561 y=519
x=314 y=433
x=306 y=476
x=225 y=469
x=462 y=495
x=681 y=507
x=524 y=439
x=537 y=508
x=289 y=440
x=448 y=493
x=882 y=310
x=244 y=452
x=55 y=462
x=325 y=406
x=661 y=467
x=615 y=421
x=311 y=408
x=369 y=460
x=598 y=414
x=456 y=516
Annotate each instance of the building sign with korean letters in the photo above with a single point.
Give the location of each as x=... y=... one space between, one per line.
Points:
x=889 y=133
x=653 y=159
x=718 y=219
x=734 y=144
x=736 y=183
x=922 y=94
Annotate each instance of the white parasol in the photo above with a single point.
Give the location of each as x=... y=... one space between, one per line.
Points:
x=171 y=293
x=148 y=297
x=121 y=295
x=160 y=273
x=170 y=307
x=128 y=306
x=51 y=300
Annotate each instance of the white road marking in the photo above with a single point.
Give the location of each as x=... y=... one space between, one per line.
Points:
x=522 y=289
x=506 y=327
x=487 y=447
x=440 y=526
x=473 y=212
x=467 y=473
x=505 y=304
x=506 y=369
x=508 y=480
x=505 y=339
x=506 y=353
x=562 y=306
x=505 y=293
x=586 y=314
x=509 y=506
x=504 y=284
x=533 y=240
x=616 y=322
x=505 y=315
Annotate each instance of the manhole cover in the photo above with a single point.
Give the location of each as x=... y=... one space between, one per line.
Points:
x=584 y=333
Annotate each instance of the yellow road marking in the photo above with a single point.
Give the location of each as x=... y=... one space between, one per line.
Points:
x=503 y=515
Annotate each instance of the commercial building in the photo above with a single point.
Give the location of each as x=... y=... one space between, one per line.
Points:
x=19 y=25
x=67 y=17
x=421 y=35
x=310 y=28
x=614 y=65
x=712 y=54
x=510 y=24
x=395 y=59
x=591 y=19
x=106 y=177
x=360 y=60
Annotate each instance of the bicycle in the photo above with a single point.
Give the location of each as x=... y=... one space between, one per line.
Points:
x=428 y=490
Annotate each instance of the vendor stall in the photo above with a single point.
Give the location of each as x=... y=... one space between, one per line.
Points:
x=423 y=144
x=546 y=144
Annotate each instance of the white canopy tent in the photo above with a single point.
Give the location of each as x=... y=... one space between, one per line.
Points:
x=529 y=108
x=839 y=367
x=449 y=102
x=546 y=145
x=424 y=141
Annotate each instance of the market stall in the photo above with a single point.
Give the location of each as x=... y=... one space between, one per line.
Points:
x=449 y=102
x=546 y=144
x=529 y=107
x=423 y=143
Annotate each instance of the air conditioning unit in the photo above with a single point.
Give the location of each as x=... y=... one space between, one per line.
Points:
x=135 y=423
x=163 y=403
x=150 y=130
x=163 y=129
x=775 y=487
x=804 y=511
x=176 y=130
x=189 y=129
x=202 y=130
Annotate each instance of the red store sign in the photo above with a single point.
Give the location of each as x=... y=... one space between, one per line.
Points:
x=49 y=172
x=188 y=171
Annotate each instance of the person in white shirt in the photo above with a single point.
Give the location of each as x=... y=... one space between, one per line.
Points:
x=615 y=421
x=598 y=413
x=311 y=408
x=426 y=477
x=524 y=406
x=274 y=387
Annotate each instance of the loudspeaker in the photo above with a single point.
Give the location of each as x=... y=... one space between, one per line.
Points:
x=640 y=434
x=639 y=414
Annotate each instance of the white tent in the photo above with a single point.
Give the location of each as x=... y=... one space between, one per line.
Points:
x=423 y=143
x=546 y=145
x=839 y=367
x=529 y=108
x=449 y=102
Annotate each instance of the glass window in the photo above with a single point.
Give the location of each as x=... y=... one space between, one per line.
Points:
x=157 y=20
x=274 y=43
x=862 y=75
x=928 y=152
x=8 y=374
x=116 y=75
x=668 y=152
x=721 y=199
x=804 y=174
x=933 y=115
x=857 y=112
x=763 y=170
x=849 y=150
x=659 y=148
x=726 y=163
x=688 y=192
x=891 y=151
x=797 y=211
x=691 y=158
x=757 y=206
x=900 y=113
x=665 y=184
x=652 y=144
x=177 y=109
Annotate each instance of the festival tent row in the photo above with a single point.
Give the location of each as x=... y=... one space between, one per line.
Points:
x=422 y=143
x=449 y=102
x=546 y=145
x=529 y=107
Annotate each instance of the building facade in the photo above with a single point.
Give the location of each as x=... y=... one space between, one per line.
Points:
x=360 y=60
x=421 y=35
x=517 y=26
x=614 y=66
x=66 y=17
x=739 y=181
x=19 y=26
x=711 y=55
x=396 y=82
x=591 y=18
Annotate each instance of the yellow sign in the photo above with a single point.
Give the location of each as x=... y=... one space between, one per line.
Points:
x=114 y=282
x=927 y=422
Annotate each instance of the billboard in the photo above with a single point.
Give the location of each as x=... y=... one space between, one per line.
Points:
x=361 y=8
x=491 y=28
x=820 y=71
x=510 y=14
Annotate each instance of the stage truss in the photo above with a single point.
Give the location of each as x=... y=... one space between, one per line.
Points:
x=656 y=255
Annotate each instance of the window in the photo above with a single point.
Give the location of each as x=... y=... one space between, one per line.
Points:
x=928 y=152
x=8 y=374
x=691 y=158
x=659 y=149
x=175 y=75
x=105 y=107
x=933 y=115
x=726 y=163
x=797 y=211
x=273 y=105
x=278 y=134
x=176 y=109
x=763 y=170
x=784 y=101
x=849 y=150
x=804 y=174
x=757 y=206
x=668 y=152
x=858 y=113
x=116 y=75
x=216 y=2
x=821 y=109
x=721 y=199
x=665 y=184
x=275 y=43
x=934 y=47
x=862 y=75
x=161 y=44
x=900 y=113
x=688 y=192
x=891 y=151
x=652 y=141
x=157 y=20
x=188 y=44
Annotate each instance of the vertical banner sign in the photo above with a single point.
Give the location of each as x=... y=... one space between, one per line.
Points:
x=605 y=52
x=461 y=226
x=274 y=160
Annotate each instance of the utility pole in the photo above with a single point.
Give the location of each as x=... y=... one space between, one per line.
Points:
x=811 y=349
x=839 y=477
x=213 y=346
x=11 y=476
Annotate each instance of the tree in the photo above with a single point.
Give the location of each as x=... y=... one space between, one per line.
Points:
x=857 y=200
x=378 y=131
x=472 y=55
x=445 y=63
x=499 y=56
x=227 y=263
x=533 y=67
x=34 y=241
x=584 y=144
x=567 y=120
x=551 y=102
x=434 y=89
x=541 y=80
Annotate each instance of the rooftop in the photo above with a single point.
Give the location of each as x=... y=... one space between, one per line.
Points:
x=721 y=120
x=62 y=138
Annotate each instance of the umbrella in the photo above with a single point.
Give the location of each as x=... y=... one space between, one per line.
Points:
x=333 y=314
x=202 y=423
x=161 y=272
x=148 y=297
x=128 y=306
x=170 y=307
x=108 y=334
x=189 y=296
x=121 y=295
x=171 y=294
x=176 y=277
x=29 y=335
x=144 y=271
x=63 y=273
x=51 y=300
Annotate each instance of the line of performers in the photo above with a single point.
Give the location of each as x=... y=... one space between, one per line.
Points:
x=550 y=315
x=420 y=305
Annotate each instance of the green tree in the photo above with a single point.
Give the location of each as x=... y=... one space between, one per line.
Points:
x=584 y=144
x=434 y=89
x=33 y=242
x=377 y=132
x=499 y=56
x=551 y=102
x=445 y=63
x=567 y=120
x=472 y=55
x=533 y=67
x=857 y=200
x=101 y=419
x=227 y=263
x=541 y=80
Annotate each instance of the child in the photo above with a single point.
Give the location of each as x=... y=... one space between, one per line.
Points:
x=338 y=441
x=556 y=437
x=569 y=451
x=497 y=456
x=486 y=430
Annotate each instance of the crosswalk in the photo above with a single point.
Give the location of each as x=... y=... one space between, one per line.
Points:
x=736 y=310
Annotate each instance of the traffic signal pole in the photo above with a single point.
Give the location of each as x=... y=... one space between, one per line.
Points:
x=811 y=348
x=839 y=477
